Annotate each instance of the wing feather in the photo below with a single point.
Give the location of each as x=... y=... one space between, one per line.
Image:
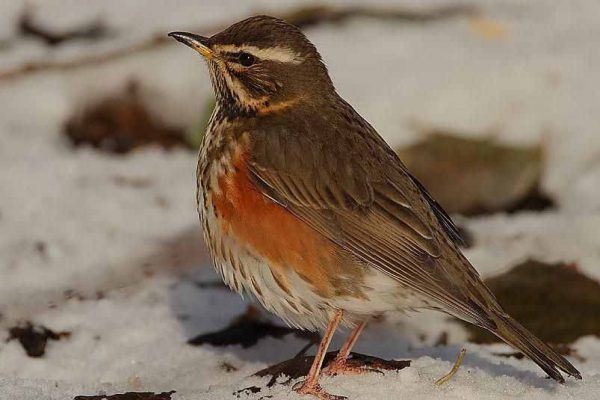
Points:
x=379 y=213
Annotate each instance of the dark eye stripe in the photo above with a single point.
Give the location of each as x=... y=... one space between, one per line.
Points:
x=231 y=56
x=235 y=56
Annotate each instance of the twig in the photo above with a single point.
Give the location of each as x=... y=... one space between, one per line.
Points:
x=28 y=27
x=37 y=66
x=308 y=16
x=454 y=369
x=303 y=17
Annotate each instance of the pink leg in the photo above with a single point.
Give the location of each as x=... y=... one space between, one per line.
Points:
x=339 y=365
x=311 y=384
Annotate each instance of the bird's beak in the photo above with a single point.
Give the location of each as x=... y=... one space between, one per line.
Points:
x=196 y=42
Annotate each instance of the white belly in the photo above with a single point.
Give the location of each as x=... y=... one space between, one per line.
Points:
x=299 y=306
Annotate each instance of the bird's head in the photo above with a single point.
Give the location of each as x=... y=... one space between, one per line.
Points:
x=261 y=64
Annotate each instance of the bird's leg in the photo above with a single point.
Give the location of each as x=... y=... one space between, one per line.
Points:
x=311 y=383
x=340 y=364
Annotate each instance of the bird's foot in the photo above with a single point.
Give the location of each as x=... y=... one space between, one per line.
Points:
x=347 y=366
x=314 y=389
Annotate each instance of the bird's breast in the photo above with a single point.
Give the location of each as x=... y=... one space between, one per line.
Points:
x=269 y=231
x=261 y=247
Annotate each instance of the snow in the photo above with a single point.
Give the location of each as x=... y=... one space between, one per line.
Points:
x=520 y=72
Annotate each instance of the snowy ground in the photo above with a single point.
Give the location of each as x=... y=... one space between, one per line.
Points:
x=522 y=72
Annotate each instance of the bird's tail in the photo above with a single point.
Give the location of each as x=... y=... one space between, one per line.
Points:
x=513 y=333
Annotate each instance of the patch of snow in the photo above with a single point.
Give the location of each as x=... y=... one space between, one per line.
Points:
x=524 y=74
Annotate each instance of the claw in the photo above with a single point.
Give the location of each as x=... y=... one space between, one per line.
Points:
x=343 y=367
x=315 y=390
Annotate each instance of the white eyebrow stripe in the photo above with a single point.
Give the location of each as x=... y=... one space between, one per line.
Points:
x=278 y=53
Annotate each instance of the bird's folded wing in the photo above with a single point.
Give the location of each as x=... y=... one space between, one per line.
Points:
x=369 y=205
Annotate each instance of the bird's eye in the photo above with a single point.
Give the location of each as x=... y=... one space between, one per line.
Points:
x=246 y=59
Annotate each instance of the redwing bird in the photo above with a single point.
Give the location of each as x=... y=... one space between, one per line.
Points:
x=305 y=206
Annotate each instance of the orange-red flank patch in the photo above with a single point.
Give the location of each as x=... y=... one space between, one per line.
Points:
x=271 y=232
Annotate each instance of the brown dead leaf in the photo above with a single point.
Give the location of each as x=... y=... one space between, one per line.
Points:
x=299 y=366
x=476 y=176
x=121 y=124
x=555 y=301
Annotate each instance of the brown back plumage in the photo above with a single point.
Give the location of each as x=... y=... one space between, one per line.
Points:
x=336 y=173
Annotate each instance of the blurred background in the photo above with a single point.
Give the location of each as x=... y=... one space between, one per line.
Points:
x=104 y=279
